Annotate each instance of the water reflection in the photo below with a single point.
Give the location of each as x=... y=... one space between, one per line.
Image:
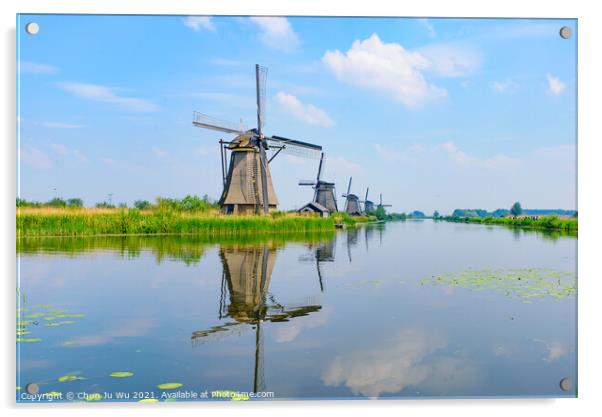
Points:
x=246 y=276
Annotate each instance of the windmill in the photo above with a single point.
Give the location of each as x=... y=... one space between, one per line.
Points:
x=246 y=178
x=352 y=202
x=380 y=204
x=324 y=251
x=246 y=274
x=324 y=191
x=368 y=205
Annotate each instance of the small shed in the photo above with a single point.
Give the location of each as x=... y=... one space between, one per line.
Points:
x=313 y=207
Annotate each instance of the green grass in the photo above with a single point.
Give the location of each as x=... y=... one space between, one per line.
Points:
x=91 y=222
x=544 y=223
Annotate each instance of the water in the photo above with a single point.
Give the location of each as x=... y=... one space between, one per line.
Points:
x=405 y=309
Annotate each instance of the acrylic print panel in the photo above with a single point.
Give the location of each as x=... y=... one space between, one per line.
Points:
x=253 y=208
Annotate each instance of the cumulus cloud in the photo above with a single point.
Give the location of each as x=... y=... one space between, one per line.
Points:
x=197 y=23
x=451 y=59
x=386 y=67
x=505 y=87
x=276 y=32
x=459 y=156
x=35 y=68
x=109 y=95
x=555 y=86
x=307 y=113
x=65 y=151
x=35 y=158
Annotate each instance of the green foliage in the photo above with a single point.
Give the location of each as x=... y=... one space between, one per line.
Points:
x=396 y=217
x=516 y=209
x=142 y=204
x=75 y=202
x=104 y=204
x=381 y=214
x=188 y=203
x=436 y=214
x=57 y=202
x=546 y=222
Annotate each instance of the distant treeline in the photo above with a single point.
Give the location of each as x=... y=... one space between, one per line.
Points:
x=505 y=212
x=546 y=222
x=188 y=203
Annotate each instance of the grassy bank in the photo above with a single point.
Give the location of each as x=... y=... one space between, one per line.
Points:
x=544 y=223
x=88 y=222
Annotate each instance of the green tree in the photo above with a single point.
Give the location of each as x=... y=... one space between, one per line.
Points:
x=516 y=209
x=381 y=214
x=75 y=202
x=435 y=214
x=142 y=204
x=57 y=202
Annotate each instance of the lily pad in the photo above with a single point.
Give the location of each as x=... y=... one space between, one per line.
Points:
x=149 y=400
x=93 y=397
x=28 y=339
x=169 y=385
x=121 y=374
x=66 y=378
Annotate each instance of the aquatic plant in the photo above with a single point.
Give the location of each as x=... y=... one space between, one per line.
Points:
x=522 y=283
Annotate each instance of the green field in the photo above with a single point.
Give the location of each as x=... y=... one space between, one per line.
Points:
x=91 y=222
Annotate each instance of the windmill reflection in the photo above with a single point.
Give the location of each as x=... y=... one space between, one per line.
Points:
x=320 y=253
x=245 y=299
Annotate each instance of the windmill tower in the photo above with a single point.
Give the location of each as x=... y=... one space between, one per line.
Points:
x=381 y=205
x=246 y=278
x=324 y=191
x=368 y=205
x=246 y=178
x=352 y=202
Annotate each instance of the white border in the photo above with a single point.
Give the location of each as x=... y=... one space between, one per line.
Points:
x=590 y=28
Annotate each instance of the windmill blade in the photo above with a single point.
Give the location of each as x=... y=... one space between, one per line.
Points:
x=366 y=198
x=208 y=122
x=320 y=168
x=295 y=147
x=261 y=75
x=307 y=182
x=349 y=186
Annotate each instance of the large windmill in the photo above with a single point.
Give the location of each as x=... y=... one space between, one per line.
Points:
x=246 y=178
x=368 y=205
x=352 y=202
x=324 y=193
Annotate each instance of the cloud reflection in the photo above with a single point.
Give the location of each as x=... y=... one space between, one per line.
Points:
x=408 y=359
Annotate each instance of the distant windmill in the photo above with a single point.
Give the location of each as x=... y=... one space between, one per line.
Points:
x=352 y=202
x=368 y=205
x=324 y=191
x=247 y=180
x=381 y=203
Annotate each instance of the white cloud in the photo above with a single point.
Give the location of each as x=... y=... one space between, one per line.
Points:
x=459 y=156
x=451 y=59
x=305 y=112
x=197 y=23
x=65 y=151
x=54 y=125
x=34 y=68
x=159 y=153
x=35 y=158
x=555 y=86
x=276 y=32
x=386 y=67
x=430 y=29
x=105 y=94
x=505 y=87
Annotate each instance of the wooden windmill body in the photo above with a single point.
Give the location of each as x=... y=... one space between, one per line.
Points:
x=352 y=202
x=246 y=177
x=324 y=191
x=368 y=204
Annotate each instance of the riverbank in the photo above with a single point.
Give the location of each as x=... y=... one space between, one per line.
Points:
x=94 y=221
x=543 y=223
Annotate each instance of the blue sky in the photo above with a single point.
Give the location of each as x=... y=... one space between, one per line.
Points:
x=436 y=114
